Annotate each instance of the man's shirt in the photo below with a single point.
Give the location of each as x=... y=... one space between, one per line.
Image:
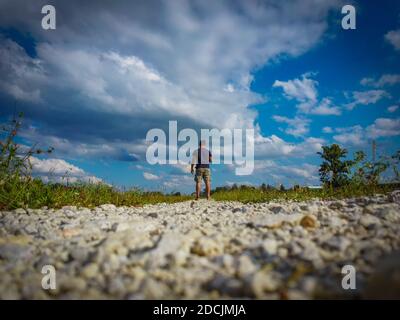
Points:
x=201 y=158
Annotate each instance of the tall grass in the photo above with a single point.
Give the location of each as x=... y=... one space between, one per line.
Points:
x=36 y=194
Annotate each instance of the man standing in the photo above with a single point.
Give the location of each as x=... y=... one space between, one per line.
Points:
x=201 y=159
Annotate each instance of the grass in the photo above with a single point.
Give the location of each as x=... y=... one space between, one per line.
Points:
x=33 y=193
x=36 y=194
x=254 y=195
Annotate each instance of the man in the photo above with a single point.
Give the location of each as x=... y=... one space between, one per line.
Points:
x=201 y=159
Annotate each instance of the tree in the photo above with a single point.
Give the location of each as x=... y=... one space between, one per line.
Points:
x=334 y=171
x=368 y=172
x=15 y=158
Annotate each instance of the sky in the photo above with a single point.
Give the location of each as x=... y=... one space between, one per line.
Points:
x=111 y=71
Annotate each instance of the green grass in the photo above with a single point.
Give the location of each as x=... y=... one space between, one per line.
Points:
x=33 y=193
x=254 y=195
x=36 y=194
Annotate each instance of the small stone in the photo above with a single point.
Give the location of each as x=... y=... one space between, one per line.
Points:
x=79 y=254
x=276 y=220
x=20 y=211
x=90 y=271
x=225 y=285
x=261 y=283
x=118 y=227
x=282 y=252
x=71 y=232
x=338 y=243
x=31 y=229
x=245 y=266
x=270 y=246
x=206 y=246
x=153 y=215
x=309 y=222
x=107 y=207
x=395 y=196
x=367 y=220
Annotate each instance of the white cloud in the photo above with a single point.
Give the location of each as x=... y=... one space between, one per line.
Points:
x=296 y=126
x=326 y=108
x=384 y=80
x=384 y=127
x=350 y=136
x=150 y=176
x=327 y=130
x=145 y=63
x=367 y=97
x=22 y=76
x=273 y=146
x=99 y=149
x=178 y=181
x=358 y=136
x=59 y=170
x=304 y=90
x=393 y=37
x=393 y=108
x=305 y=172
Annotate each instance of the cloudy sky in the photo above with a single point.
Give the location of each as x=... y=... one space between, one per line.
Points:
x=111 y=71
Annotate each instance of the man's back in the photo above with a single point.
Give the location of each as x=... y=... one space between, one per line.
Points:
x=201 y=157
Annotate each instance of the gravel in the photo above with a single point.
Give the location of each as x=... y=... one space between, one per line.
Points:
x=204 y=250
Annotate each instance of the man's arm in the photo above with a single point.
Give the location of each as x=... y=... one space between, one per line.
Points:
x=194 y=161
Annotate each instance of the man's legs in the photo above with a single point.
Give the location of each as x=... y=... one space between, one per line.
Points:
x=198 y=189
x=208 y=189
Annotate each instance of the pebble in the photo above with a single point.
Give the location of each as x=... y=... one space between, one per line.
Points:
x=202 y=250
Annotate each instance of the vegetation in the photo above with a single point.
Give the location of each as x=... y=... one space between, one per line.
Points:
x=337 y=172
x=340 y=177
x=249 y=194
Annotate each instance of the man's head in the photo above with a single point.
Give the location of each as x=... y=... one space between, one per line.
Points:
x=202 y=143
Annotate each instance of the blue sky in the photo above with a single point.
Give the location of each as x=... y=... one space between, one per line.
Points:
x=110 y=72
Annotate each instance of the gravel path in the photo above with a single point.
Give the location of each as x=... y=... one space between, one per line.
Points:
x=204 y=249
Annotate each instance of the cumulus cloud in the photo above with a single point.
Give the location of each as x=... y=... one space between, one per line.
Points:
x=366 y=97
x=358 y=135
x=135 y=65
x=273 y=147
x=303 y=173
x=296 y=126
x=353 y=136
x=304 y=91
x=384 y=127
x=22 y=76
x=150 y=176
x=393 y=108
x=59 y=170
x=177 y=181
x=393 y=37
x=383 y=81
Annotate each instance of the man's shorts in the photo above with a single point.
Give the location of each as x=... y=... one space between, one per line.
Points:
x=202 y=173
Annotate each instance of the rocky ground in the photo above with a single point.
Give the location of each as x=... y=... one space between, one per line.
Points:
x=275 y=250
